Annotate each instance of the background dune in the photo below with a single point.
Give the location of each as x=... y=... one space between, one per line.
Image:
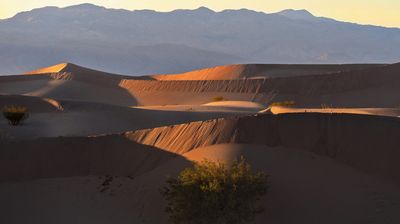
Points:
x=375 y=86
x=260 y=71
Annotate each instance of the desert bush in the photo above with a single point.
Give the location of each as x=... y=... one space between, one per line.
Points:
x=289 y=103
x=218 y=98
x=213 y=193
x=15 y=114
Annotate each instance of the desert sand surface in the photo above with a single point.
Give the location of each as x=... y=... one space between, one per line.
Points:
x=256 y=71
x=51 y=118
x=221 y=106
x=360 y=87
x=97 y=147
x=392 y=112
x=301 y=186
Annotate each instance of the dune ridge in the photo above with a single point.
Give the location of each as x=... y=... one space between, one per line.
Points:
x=351 y=88
x=343 y=137
x=245 y=71
x=376 y=86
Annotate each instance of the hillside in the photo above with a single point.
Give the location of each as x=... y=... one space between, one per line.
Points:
x=145 y=42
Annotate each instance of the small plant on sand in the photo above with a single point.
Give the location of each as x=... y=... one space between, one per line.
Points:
x=289 y=103
x=15 y=114
x=213 y=193
x=218 y=98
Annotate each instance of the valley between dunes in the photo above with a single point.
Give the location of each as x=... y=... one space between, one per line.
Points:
x=332 y=157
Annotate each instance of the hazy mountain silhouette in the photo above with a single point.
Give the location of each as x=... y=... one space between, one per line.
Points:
x=146 y=41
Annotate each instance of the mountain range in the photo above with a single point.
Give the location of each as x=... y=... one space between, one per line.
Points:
x=148 y=42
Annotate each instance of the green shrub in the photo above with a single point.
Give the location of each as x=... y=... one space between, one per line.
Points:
x=219 y=98
x=15 y=114
x=212 y=193
x=289 y=103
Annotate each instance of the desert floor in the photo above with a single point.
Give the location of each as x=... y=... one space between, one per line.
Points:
x=97 y=147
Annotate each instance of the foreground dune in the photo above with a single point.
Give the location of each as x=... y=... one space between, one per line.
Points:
x=355 y=140
x=302 y=186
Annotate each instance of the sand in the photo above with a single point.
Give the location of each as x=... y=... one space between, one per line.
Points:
x=257 y=71
x=235 y=107
x=52 y=69
x=303 y=186
x=97 y=147
x=392 y=112
x=51 y=118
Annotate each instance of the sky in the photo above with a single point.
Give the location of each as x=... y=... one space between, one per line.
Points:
x=374 y=12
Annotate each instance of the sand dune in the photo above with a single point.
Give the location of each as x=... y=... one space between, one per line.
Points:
x=77 y=156
x=374 y=86
x=303 y=187
x=52 y=69
x=50 y=118
x=393 y=112
x=34 y=104
x=97 y=146
x=221 y=106
x=355 y=140
x=245 y=71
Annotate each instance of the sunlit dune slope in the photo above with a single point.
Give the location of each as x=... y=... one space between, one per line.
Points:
x=52 y=69
x=243 y=71
x=371 y=87
x=393 y=112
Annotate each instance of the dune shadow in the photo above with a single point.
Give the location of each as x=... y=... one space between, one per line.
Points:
x=78 y=156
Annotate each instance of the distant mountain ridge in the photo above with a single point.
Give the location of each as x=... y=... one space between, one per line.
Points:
x=149 y=42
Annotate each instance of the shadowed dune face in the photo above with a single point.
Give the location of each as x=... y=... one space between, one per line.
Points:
x=34 y=104
x=77 y=156
x=301 y=186
x=368 y=143
x=51 y=118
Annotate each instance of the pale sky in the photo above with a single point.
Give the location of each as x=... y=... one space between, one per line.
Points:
x=375 y=12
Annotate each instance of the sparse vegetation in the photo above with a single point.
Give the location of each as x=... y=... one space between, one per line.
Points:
x=289 y=103
x=219 y=98
x=15 y=114
x=213 y=193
